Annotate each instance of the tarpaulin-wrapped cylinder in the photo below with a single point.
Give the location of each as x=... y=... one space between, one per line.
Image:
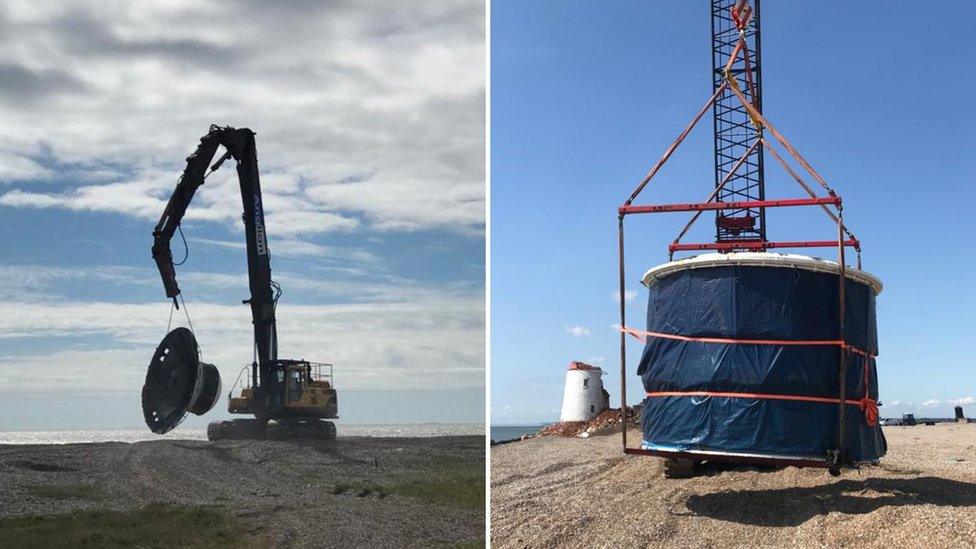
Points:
x=742 y=356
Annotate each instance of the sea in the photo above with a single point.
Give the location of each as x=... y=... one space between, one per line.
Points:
x=137 y=435
x=509 y=432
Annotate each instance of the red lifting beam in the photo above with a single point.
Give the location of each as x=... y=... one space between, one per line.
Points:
x=761 y=245
x=699 y=206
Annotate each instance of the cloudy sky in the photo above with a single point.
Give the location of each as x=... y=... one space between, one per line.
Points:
x=370 y=132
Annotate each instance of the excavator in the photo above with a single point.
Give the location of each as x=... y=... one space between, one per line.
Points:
x=286 y=398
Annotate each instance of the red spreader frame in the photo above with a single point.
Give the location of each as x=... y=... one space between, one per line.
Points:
x=831 y=204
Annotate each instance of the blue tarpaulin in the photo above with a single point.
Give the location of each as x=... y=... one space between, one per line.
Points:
x=752 y=302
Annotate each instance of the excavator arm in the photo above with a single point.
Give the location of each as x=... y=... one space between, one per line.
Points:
x=192 y=178
x=239 y=144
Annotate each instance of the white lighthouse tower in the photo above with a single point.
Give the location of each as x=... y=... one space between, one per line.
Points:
x=584 y=397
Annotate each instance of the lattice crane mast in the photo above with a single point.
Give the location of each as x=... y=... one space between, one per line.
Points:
x=736 y=58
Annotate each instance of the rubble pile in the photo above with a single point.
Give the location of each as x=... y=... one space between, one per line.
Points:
x=606 y=419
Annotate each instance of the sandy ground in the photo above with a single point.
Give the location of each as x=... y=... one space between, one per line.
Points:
x=552 y=491
x=281 y=490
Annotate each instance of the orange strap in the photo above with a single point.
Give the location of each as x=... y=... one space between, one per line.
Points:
x=642 y=336
x=741 y=14
x=866 y=404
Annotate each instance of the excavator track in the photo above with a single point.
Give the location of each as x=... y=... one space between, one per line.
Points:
x=312 y=428
x=237 y=429
x=253 y=429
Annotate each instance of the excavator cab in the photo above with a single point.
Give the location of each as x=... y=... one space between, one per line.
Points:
x=305 y=389
x=308 y=389
x=301 y=398
x=297 y=381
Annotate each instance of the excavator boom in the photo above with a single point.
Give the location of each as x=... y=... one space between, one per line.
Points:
x=239 y=145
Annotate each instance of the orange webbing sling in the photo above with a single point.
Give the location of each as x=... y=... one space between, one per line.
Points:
x=867 y=405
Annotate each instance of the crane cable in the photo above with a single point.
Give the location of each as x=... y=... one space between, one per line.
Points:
x=186 y=312
x=169 y=324
x=186 y=247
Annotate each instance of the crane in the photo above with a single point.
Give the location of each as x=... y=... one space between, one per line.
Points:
x=286 y=397
x=742 y=137
x=734 y=21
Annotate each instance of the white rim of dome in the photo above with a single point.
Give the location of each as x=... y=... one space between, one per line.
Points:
x=760 y=259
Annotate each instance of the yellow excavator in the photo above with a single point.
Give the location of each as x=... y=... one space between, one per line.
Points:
x=287 y=398
x=308 y=394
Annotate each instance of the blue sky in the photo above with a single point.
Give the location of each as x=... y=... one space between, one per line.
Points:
x=585 y=98
x=370 y=130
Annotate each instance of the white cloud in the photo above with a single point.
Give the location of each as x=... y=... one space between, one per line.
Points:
x=145 y=196
x=17 y=167
x=289 y=247
x=365 y=111
x=596 y=360
x=578 y=331
x=415 y=345
x=44 y=284
x=629 y=295
x=964 y=401
x=226 y=244
x=931 y=403
x=22 y=199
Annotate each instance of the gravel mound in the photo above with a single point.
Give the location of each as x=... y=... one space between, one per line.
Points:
x=287 y=492
x=584 y=492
